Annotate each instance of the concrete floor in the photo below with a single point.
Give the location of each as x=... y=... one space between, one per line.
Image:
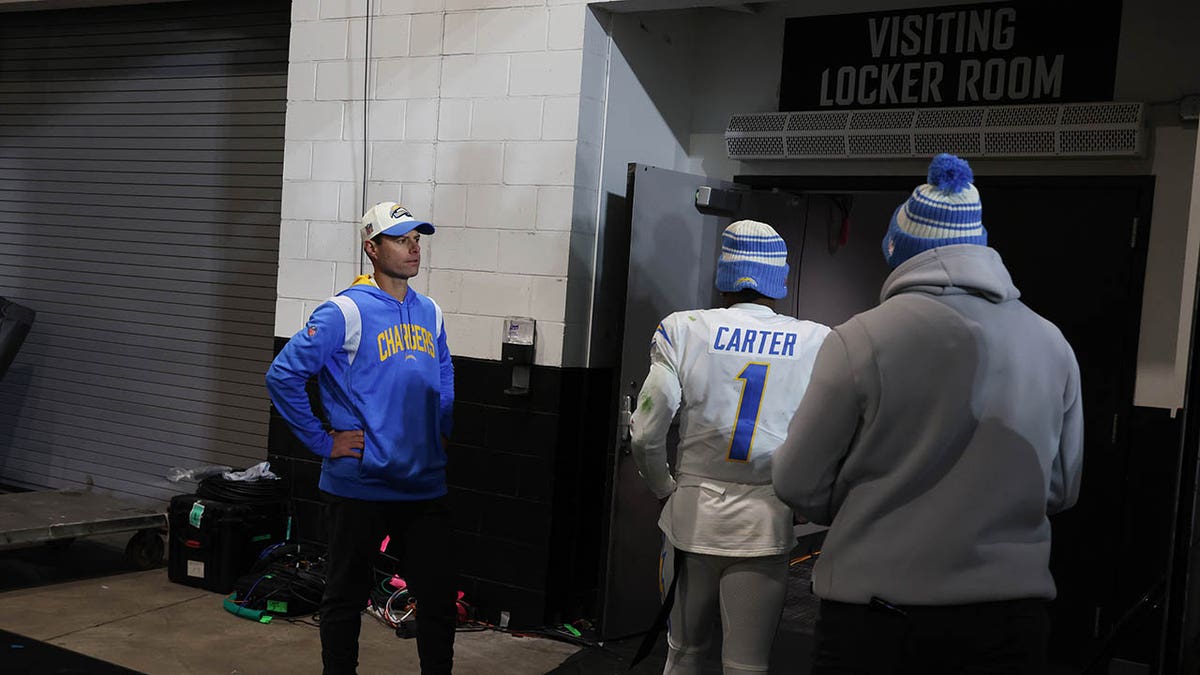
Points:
x=142 y=621
x=84 y=598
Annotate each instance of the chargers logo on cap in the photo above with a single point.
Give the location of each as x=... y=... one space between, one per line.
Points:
x=747 y=280
x=400 y=211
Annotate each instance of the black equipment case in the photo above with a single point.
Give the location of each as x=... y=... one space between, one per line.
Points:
x=214 y=542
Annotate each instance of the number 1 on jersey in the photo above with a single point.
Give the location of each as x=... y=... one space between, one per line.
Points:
x=754 y=381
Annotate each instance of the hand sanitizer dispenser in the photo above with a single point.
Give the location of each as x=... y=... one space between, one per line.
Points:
x=517 y=350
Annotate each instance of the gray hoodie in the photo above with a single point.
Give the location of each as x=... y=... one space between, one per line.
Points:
x=938 y=432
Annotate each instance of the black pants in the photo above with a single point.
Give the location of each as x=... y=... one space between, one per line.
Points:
x=425 y=533
x=996 y=638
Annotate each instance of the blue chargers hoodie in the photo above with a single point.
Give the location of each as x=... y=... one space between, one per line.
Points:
x=383 y=367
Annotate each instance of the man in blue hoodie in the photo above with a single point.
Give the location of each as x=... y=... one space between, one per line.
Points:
x=938 y=433
x=378 y=350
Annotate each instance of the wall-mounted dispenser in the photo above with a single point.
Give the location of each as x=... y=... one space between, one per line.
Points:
x=517 y=350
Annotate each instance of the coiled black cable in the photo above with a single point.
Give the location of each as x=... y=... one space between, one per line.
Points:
x=241 y=492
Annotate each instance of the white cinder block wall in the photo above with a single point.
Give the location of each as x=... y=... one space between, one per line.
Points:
x=473 y=109
x=476 y=119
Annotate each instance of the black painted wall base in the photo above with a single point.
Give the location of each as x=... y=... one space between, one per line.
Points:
x=527 y=477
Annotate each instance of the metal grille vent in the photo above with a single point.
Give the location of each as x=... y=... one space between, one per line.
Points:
x=1019 y=143
x=758 y=147
x=876 y=145
x=1023 y=116
x=882 y=120
x=1106 y=113
x=1094 y=142
x=941 y=118
x=818 y=122
x=1061 y=130
x=755 y=123
x=958 y=144
x=817 y=146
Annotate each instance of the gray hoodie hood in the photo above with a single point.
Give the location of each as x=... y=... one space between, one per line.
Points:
x=960 y=269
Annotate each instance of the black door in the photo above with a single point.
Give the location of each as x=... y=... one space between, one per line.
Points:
x=1072 y=251
x=1076 y=248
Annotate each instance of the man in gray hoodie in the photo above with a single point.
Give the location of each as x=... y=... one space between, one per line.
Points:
x=939 y=431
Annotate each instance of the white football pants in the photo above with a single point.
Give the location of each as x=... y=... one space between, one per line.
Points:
x=749 y=593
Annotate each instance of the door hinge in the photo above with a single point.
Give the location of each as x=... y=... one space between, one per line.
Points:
x=1116 y=417
x=1133 y=234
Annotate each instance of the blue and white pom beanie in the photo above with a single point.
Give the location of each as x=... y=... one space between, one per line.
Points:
x=753 y=256
x=944 y=211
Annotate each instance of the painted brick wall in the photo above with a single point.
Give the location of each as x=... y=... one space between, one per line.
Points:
x=473 y=117
x=472 y=120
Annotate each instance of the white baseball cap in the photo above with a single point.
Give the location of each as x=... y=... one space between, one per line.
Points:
x=391 y=219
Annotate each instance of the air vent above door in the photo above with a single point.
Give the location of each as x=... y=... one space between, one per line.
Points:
x=1061 y=130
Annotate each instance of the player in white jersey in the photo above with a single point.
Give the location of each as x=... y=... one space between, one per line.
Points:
x=738 y=373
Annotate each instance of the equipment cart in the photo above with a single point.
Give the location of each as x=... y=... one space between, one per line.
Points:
x=61 y=516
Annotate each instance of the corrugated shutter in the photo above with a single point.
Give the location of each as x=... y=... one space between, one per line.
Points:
x=141 y=161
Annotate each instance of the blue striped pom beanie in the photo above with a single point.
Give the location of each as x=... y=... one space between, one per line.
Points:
x=944 y=211
x=753 y=256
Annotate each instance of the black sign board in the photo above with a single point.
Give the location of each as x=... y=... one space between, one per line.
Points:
x=1000 y=53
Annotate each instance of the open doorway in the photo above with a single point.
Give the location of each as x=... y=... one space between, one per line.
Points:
x=1076 y=248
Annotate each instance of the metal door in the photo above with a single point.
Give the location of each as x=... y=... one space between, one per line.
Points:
x=673 y=252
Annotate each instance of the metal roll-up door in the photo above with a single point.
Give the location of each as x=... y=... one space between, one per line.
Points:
x=141 y=161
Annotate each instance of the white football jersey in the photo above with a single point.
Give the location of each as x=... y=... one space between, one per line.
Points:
x=737 y=375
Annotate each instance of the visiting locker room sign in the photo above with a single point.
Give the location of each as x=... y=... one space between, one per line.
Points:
x=1002 y=53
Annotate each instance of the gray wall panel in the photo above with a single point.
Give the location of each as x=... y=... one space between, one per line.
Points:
x=181 y=301
x=84 y=88
x=161 y=38
x=49 y=388
x=151 y=416
x=189 y=156
x=59 y=470
x=26 y=277
x=86 y=181
x=192 y=317
x=134 y=438
x=151 y=143
x=213 y=18
x=103 y=439
x=133 y=73
x=195 y=395
x=82 y=129
x=206 y=51
x=231 y=428
x=169 y=221
x=194 y=259
x=141 y=161
x=149 y=272
x=159 y=348
x=98 y=358
x=196 y=339
x=83 y=236
x=102 y=453
x=146 y=333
